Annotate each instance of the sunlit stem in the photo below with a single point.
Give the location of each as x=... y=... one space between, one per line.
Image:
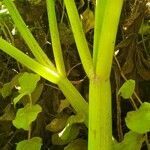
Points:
x=80 y=39
x=55 y=37
x=45 y=72
x=100 y=126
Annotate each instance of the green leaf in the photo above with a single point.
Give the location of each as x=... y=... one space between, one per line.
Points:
x=139 y=120
x=67 y=138
x=78 y=118
x=69 y=133
x=56 y=140
x=145 y=28
x=28 y=82
x=71 y=130
x=32 y=144
x=63 y=104
x=25 y=116
x=78 y=144
x=6 y=90
x=88 y=20
x=132 y=141
x=24 y=97
x=127 y=89
x=58 y=123
x=37 y=93
x=18 y=98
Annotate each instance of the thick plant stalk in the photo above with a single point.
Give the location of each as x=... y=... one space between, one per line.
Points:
x=80 y=39
x=100 y=130
x=27 y=36
x=55 y=37
x=100 y=126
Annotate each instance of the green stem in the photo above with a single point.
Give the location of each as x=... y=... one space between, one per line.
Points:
x=27 y=36
x=107 y=37
x=55 y=37
x=80 y=39
x=99 y=13
x=100 y=126
x=30 y=128
x=45 y=72
x=74 y=97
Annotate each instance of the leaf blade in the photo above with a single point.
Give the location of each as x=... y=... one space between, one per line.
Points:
x=25 y=116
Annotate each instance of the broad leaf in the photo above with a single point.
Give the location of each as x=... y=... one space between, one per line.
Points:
x=127 y=89
x=24 y=97
x=71 y=130
x=139 y=120
x=18 y=98
x=28 y=82
x=69 y=133
x=78 y=118
x=67 y=138
x=6 y=90
x=132 y=141
x=58 y=123
x=32 y=144
x=37 y=93
x=56 y=140
x=63 y=104
x=78 y=144
x=25 y=116
x=88 y=20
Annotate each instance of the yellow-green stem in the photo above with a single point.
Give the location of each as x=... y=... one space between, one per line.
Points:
x=79 y=36
x=77 y=101
x=99 y=13
x=55 y=37
x=35 y=66
x=100 y=126
x=107 y=37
